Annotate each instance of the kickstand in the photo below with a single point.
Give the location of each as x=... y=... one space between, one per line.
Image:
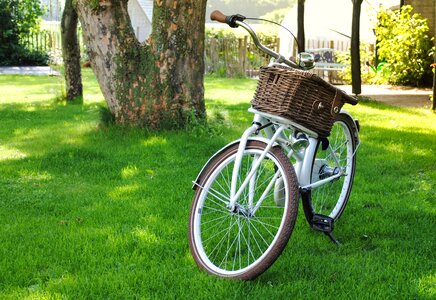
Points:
x=332 y=238
x=324 y=224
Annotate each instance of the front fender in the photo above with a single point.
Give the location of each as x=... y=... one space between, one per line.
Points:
x=196 y=182
x=356 y=123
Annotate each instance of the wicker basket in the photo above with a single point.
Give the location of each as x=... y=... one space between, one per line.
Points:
x=299 y=96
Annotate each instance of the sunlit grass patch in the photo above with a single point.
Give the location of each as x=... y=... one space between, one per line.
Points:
x=46 y=89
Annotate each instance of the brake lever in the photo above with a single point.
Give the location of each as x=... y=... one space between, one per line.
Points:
x=231 y=20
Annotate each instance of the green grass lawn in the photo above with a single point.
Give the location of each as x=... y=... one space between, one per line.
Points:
x=93 y=212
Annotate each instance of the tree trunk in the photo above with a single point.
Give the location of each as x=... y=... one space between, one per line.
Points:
x=71 y=53
x=300 y=19
x=434 y=74
x=433 y=107
x=355 y=49
x=158 y=84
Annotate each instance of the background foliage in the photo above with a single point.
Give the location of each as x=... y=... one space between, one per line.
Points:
x=19 y=18
x=405 y=45
x=371 y=71
x=404 y=51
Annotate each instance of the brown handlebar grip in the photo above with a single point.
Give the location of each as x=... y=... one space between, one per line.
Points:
x=218 y=16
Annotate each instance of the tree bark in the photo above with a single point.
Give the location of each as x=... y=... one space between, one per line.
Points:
x=356 y=80
x=300 y=20
x=434 y=74
x=158 y=84
x=71 y=53
x=433 y=106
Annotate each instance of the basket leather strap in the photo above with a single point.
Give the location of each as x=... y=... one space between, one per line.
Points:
x=337 y=103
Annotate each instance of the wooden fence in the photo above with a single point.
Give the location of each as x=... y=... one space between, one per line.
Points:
x=51 y=43
x=239 y=57
x=43 y=41
x=230 y=56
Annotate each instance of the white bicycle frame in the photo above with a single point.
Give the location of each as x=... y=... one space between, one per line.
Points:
x=275 y=135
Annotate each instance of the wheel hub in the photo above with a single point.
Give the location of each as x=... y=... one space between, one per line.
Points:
x=325 y=171
x=242 y=211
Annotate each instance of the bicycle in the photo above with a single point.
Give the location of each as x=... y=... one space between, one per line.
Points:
x=247 y=195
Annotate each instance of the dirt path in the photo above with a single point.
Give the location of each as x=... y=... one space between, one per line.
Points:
x=28 y=71
x=396 y=95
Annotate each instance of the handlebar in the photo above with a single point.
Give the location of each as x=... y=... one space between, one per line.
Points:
x=238 y=20
x=218 y=16
x=231 y=20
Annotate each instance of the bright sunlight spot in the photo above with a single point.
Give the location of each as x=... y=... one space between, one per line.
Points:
x=145 y=235
x=10 y=153
x=427 y=286
x=121 y=192
x=155 y=140
x=129 y=172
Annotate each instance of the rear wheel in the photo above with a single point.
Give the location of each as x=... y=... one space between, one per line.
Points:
x=331 y=198
x=242 y=243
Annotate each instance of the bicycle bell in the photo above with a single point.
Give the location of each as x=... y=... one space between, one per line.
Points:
x=306 y=60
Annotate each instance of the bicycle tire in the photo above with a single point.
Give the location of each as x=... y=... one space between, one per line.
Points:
x=253 y=242
x=331 y=199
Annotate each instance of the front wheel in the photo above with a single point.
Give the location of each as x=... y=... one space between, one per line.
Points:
x=331 y=198
x=242 y=243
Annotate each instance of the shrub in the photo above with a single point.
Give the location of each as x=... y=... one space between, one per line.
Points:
x=369 y=74
x=18 y=19
x=404 y=44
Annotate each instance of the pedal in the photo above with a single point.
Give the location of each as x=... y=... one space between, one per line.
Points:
x=322 y=223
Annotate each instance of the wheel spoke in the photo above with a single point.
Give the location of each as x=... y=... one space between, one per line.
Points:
x=219 y=196
x=264 y=225
x=220 y=243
